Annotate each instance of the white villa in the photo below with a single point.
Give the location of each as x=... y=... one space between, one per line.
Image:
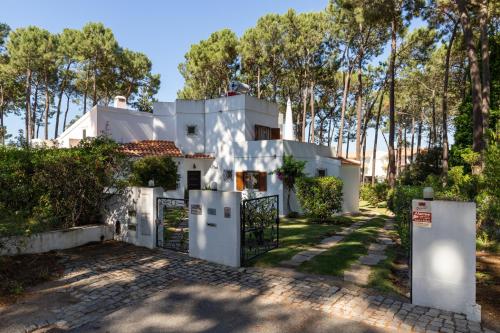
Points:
x=232 y=143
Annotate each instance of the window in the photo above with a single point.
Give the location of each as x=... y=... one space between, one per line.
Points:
x=251 y=180
x=267 y=133
x=321 y=172
x=191 y=130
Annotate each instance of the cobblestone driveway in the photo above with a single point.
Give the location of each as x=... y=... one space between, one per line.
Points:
x=116 y=275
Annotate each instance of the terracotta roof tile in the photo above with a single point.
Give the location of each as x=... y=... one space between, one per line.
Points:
x=199 y=156
x=151 y=148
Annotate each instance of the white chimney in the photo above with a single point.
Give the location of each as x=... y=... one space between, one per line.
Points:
x=120 y=102
x=288 y=131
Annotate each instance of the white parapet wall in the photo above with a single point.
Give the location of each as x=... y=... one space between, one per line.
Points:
x=55 y=240
x=214 y=226
x=444 y=256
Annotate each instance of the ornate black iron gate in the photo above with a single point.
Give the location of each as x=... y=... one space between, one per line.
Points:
x=172 y=227
x=259 y=226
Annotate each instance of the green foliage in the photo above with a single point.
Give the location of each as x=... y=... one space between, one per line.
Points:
x=427 y=163
x=209 y=66
x=289 y=172
x=399 y=202
x=49 y=188
x=374 y=194
x=163 y=170
x=320 y=197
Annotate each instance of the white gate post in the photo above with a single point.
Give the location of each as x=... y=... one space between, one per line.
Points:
x=444 y=256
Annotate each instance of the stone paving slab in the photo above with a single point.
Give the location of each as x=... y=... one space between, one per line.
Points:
x=330 y=242
x=358 y=274
x=372 y=259
x=377 y=247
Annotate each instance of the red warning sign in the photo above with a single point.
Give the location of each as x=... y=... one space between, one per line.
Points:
x=421 y=213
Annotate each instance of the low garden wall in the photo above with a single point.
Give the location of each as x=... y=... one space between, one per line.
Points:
x=55 y=240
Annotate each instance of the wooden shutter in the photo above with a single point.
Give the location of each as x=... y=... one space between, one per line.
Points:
x=240 y=181
x=262 y=181
x=275 y=133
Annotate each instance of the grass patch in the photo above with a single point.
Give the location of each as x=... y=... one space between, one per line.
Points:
x=385 y=277
x=297 y=235
x=345 y=253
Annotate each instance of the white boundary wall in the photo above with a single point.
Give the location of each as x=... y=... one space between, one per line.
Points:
x=444 y=259
x=136 y=215
x=213 y=235
x=55 y=240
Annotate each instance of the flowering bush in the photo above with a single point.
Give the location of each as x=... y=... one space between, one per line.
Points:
x=289 y=172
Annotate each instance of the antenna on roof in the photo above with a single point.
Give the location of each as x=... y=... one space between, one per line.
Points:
x=237 y=88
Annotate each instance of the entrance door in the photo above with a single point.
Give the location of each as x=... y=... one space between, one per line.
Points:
x=194 y=180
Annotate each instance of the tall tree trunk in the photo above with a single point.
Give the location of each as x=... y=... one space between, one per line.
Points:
x=359 y=104
x=258 y=82
x=400 y=141
x=94 y=87
x=445 y=104
x=404 y=147
x=304 y=116
x=363 y=163
x=66 y=113
x=47 y=107
x=419 y=136
x=377 y=124
x=392 y=70
x=434 y=124
x=85 y=93
x=412 y=139
x=28 y=106
x=59 y=100
x=33 y=115
x=311 y=127
x=477 y=116
x=485 y=64
x=347 y=82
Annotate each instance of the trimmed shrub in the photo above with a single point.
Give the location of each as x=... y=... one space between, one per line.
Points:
x=50 y=188
x=320 y=197
x=162 y=170
x=374 y=194
x=399 y=202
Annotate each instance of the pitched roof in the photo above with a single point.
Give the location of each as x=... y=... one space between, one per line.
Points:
x=151 y=148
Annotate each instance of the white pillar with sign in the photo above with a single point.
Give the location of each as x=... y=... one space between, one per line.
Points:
x=444 y=256
x=214 y=226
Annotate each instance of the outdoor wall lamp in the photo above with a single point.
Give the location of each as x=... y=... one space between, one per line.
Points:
x=194 y=166
x=151 y=183
x=428 y=193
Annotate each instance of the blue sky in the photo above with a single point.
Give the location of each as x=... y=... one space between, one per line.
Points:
x=164 y=30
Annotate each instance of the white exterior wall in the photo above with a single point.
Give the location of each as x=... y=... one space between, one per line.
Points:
x=124 y=125
x=164 y=121
x=190 y=113
x=444 y=259
x=137 y=209
x=350 y=176
x=55 y=240
x=87 y=122
x=215 y=238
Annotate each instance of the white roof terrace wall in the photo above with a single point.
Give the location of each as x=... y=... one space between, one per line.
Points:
x=190 y=113
x=164 y=121
x=87 y=123
x=123 y=125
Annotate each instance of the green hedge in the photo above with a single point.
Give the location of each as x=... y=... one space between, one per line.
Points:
x=48 y=188
x=320 y=197
x=374 y=194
